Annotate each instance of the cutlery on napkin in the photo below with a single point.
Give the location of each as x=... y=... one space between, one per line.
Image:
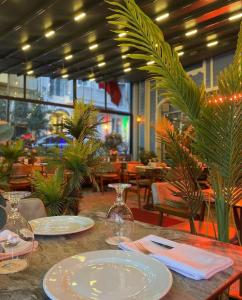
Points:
x=19 y=246
x=187 y=260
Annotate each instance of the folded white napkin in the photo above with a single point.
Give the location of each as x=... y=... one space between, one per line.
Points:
x=187 y=260
x=22 y=247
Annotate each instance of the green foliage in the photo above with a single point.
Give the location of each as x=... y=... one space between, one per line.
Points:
x=84 y=122
x=51 y=191
x=37 y=120
x=145 y=156
x=6 y=132
x=9 y=154
x=217 y=127
x=112 y=141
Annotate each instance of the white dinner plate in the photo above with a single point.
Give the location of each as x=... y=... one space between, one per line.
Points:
x=108 y=275
x=59 y=225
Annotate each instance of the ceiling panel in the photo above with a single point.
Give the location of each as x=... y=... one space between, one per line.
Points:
x=26 y=22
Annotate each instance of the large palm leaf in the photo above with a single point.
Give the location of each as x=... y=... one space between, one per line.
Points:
x=217 y=127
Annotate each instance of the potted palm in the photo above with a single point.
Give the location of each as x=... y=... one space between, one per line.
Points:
x=216 y=119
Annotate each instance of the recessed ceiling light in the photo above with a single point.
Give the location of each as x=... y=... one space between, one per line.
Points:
x=150 y=62
x=30 y=72
x=122 y=34
x=124 y=56
x=191 y=32
x=180 y=53
x=162 y=17
x=101 y=64
x=178 y=48
x=92 y=79
x=212 y=44
x=49 y=33
x=25 y=47
x=127 y=70
x=235 y=17
x=68 y=57
x=65 y=76
x=79 y=16
x=92 y=47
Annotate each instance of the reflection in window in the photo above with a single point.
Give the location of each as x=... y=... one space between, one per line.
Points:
x=50 y=90
x=124 y=104
x=89 y=91
x=116 y=123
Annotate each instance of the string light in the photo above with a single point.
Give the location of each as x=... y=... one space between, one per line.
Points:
x=221 y=99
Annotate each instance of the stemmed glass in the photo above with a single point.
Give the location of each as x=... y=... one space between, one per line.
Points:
x=119 y=217
x=16 y=237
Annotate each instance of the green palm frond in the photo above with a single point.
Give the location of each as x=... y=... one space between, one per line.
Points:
x=51 y=191
x=145 y=36
x=229 y=80
x=84 y=122
x=185 y=168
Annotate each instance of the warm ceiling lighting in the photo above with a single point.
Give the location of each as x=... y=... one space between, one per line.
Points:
x=149 y=63
x=68 y=57
x=93 y=47
x=30 y=72
x=191 y=32
x=79 y=16
x=49 y=33
x=92 y=79
x=178 y=48
x=65 y=76
x=180 y=53
x=212 y=44
x=235 y=17
x=138 y=119
x=25 y=47
x=122 y=34
x=162 y=17
x=124 y=56
x=101 y=64
x=127 y=70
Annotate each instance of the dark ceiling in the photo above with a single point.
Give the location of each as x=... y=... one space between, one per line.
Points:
x=26 y=22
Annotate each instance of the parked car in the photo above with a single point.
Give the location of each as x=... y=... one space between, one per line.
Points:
x=50 y=141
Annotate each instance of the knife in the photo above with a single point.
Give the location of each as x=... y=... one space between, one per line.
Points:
x=162 y=245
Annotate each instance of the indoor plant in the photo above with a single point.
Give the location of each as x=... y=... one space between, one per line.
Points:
x=216 y=119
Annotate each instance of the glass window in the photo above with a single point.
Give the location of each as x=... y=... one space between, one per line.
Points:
x=3 y=110
x=124 y=105
x=89 y=91
x=16 y=86
x=4 y=84
x=50 y=90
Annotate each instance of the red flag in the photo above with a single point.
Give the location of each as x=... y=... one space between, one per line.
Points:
x=112 y=88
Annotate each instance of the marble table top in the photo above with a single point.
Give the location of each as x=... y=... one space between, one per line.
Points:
x=27 y=285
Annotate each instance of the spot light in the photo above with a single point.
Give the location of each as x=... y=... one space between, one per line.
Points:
x=79 y=16
x=212 y=44
x=235 y=17
x=25 y=47
x=49 y=33
x=68 y=57
x=162 y=17
x=191 y=32
x=92 y=47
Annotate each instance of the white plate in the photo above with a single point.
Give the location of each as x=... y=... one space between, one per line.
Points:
x=108 y=275
x=59 y=225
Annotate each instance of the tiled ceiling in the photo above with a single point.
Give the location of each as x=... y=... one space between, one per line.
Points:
x=43 y=38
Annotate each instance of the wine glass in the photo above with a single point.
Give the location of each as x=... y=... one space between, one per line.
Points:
x=119 y=217
x=16 y=238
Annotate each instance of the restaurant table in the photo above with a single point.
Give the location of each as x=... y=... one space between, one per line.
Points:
x=27 y=285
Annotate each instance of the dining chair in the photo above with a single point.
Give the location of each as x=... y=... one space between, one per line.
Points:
x=107 y=173
x=163 y=191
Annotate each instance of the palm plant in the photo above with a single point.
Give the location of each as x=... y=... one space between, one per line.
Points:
x=10 y=154
x=84 y=122
x=216 y=120
x=52 y=191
